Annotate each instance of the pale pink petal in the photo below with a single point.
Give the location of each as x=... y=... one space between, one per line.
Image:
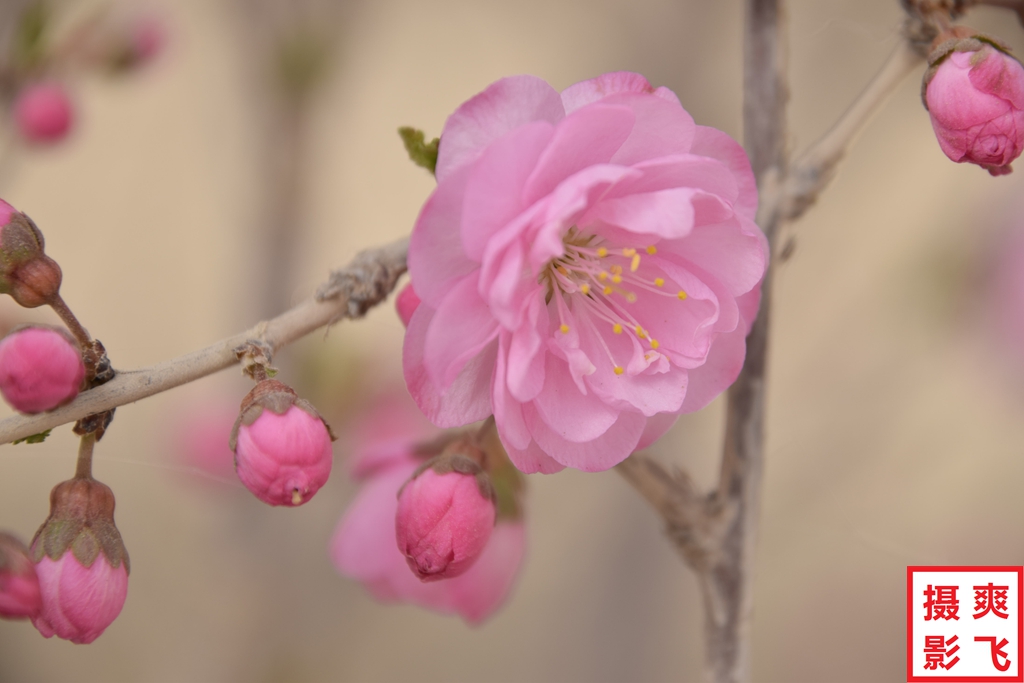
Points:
x=609 y=450
x=437 y=260
x=526 y=353
x=661 y=128
x=584 y=138
x=710 y=142
x=462 y=326
x=466 y=399
x=734 y=252
x=532 y=459
x=483 y=589
x=605 y=85
x=568 y=413
x=502 y=107
x=723 y=365
x=494 y=194
x=1000 y=75
x=656 y=428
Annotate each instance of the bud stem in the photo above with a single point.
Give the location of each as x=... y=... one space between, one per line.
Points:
x=61 y=308
x=84 y=468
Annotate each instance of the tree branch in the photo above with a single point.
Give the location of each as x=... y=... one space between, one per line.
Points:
x=349 y=293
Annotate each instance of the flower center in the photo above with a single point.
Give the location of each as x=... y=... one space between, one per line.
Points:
x=604 y=281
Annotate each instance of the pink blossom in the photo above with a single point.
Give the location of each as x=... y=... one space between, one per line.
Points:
x=282 y=457
x=40 y=368
x=975 y=96
x=19 y=586
x=406 y=303
x=443 y=523
x=589 y=268
x=43 y=112
x=363 y=546
x=79 y=602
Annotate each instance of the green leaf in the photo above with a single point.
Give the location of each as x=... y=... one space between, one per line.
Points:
x=421 y=152
x=35 y=438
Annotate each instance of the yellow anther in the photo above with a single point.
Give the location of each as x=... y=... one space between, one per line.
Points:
x=659 y=282
x=635 y=263
x=602 y=276
x=652 y=250
x=616 y=279
x=617 y=328
x=564 y=328
x=562 y=270
x=296 y=497
x=606 y=291
x=640 y=332
x=585 y=289
x=654 y=344
x=602 y=252
x=629 y=251
x=681 y=295
x=619 y=370
x=631 y=297
x=617 y=269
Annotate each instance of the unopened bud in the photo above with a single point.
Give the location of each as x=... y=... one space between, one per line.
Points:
x=19 y=586
x=282 y=446
x=446 y=513
x=41 y=368
x=974 y=91
x=26 y=273
x=81 y=562
x=43 y=113
x=406 y=303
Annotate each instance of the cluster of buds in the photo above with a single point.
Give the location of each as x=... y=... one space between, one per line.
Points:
x=282 y=445
x=973 y=90
x=43 y=111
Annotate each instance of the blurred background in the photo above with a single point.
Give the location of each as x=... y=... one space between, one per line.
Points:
x=220 y=182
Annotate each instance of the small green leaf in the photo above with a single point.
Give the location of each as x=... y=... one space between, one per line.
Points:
x=421 y=152
x=35 y=438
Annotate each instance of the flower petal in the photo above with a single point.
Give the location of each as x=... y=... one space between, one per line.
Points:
x=614 y=446
x=503 y=106
x=711 y=142
x=462 y=326
x=605 y=85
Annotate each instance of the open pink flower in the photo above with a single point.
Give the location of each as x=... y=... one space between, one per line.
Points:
x=363 y=546
x=588 y=266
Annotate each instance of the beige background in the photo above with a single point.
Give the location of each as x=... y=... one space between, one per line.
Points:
x=895 y=435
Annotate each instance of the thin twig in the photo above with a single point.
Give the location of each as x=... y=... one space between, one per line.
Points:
x=816 y=167
x=349 y=293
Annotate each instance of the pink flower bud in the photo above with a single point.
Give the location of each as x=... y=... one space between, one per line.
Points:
x=40 y=368
x=26 y=273
x=19 y=586
x=43 y=112
x=282 y=445
x=406 y=303
x=81 y=563
x=445 y=518
x=974 y=93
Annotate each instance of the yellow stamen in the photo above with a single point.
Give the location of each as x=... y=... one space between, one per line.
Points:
x=296 y=496
x=602 y=276
x=629 y=252
x=562 y=270
x=652 y=250
x=654 y=344
x=616 y=279
x=617 y=328
x=564 y=328
x=619 y=370
x=617 y=269
x=681 y=295
x=607 y=291
x=640 y=332
x=659 y=282
x=584 y=289
x=635 y=263
x=602 y=252
x=631 y=297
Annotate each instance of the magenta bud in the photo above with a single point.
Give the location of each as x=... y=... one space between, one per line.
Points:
x=406 y=303
x=81 y=563
x=445 y=516
x=41 y=368
x=282 y=446
x=43 y=113
x=974 y=92
x=19 y=586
